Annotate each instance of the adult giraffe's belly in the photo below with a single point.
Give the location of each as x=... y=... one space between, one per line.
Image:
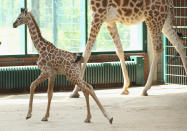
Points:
x=126 y=16
x=129 y=21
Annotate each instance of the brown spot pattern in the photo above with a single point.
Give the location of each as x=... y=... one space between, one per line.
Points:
x=118 y=2
x=127 y=11
x=105 y=3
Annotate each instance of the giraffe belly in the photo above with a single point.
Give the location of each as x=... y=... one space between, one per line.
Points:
x=129 y=21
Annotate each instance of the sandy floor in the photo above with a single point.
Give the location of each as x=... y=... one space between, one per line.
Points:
x=164 y=110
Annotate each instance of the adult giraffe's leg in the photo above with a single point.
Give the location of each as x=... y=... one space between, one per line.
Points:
x=156 y=58
x=40 y=79
x=95 y=28
x=177 y=42
x=155 y=30
x=51 y=81
x=112 y=28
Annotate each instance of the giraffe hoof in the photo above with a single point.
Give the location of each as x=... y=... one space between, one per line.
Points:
x=111 y=120
x=144 y=94
x=74 y=95
x=28 y=117
x=87 y=121
x=44 y=119
x=125 y=92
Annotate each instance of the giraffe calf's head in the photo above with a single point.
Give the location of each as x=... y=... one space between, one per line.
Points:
x=22 y=18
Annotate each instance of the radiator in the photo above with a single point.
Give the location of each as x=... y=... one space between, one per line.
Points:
x=18 y=78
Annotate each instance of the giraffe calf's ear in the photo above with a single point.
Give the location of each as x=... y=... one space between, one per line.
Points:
x=22 y=10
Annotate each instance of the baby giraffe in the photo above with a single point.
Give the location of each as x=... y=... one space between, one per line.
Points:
x=53 y=61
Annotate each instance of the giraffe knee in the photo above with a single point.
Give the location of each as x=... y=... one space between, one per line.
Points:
x=180 y=46
x=32 y=87
x=89 y=86
x=85 y=87
x=158 y=48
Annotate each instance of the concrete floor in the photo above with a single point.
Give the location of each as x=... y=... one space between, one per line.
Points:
x=164 y=110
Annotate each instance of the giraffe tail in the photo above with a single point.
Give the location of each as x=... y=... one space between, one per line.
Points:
x=79 y=58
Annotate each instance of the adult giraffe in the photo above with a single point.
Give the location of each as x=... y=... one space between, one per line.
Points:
x=158 y=16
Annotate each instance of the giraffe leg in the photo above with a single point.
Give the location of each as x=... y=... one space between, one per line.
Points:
x=119 y=49
x=151 y=73
x=75 y=93
x=51 y=81
x=155 y=30
x=86 y=94
x=177 y=42
x=87 y=87
x=95 y=28
x=41 y=78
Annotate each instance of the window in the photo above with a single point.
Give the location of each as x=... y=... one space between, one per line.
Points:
x=59 y=21
x=42 y=12
x=131 y=39
x=65 y=23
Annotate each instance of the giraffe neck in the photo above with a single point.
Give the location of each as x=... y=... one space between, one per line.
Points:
x=35 y=33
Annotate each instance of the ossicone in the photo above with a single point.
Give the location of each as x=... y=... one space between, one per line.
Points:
x=23 y=10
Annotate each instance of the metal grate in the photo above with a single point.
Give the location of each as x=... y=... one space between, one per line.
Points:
x=174 y=71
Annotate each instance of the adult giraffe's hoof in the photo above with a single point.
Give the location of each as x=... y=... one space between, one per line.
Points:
x=74 y=95
x=28 y=117
x=111 y=120
x=44 y=119
x=144 y=94
x=87 y=121
x=125 y=92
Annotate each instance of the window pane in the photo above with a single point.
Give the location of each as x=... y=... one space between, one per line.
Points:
x=59 y=21
x=131 y=37
x=68 y=25
x=12 y=39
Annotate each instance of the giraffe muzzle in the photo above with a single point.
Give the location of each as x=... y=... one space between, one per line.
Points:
x=14 y=25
